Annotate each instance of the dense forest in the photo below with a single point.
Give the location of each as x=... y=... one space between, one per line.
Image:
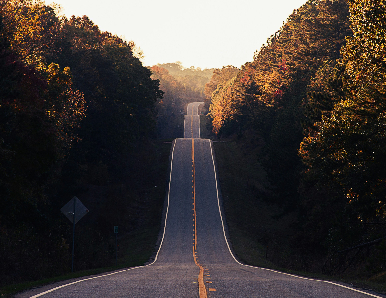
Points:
x=303 y=125
x=192 y=78
x=309 y=113
x=77 y=117
x=180 y=86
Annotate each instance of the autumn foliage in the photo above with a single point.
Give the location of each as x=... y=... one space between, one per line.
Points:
x=344 y=147
x=311 y=104
x=77 y=112
x=180 y=86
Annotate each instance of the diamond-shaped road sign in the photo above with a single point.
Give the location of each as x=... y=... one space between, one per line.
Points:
x=80 y=210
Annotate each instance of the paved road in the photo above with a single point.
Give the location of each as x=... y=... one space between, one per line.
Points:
x=192 y=121
x=194 y=259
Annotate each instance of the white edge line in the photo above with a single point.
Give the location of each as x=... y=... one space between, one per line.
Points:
x=125 y=270
x=167 y=207
x=275 y=271
x=193 y=105
x=218 y=204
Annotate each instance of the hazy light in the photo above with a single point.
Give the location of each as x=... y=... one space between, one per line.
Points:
x=201 y=33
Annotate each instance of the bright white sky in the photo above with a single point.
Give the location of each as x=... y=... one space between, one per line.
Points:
x=200 y=33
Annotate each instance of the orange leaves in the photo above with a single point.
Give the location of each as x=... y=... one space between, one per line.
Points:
x=65 y=107
x=84 y=35
x=30 y=27
x=222 y=107
x=169 y=84
x=365 y=51
x=219 y=76
x=246 y=77
x=283 y=66
x=346 y=145
x=221 y=90
x=160 y=71
x=312 y=35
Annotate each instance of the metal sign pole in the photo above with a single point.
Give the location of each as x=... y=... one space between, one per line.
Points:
x=73 y=238
x=74 y=212
x=116 y=244
x=116 y=249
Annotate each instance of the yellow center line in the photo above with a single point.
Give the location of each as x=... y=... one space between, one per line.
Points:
x=194 y=197
x=201 y=284
x=191 y=125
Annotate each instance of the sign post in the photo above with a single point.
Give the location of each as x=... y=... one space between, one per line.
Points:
x=74 y=210
x=116 y=244
x=73 y=236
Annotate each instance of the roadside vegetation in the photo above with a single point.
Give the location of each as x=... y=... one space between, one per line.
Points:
x=77 y=118
x=302 y=144
x=81 y=116
x=181 y=86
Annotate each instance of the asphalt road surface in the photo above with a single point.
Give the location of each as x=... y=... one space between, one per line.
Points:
x=194 y=259
x=192 y=121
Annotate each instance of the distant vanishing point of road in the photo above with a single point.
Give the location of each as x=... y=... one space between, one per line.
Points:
x=194 y=259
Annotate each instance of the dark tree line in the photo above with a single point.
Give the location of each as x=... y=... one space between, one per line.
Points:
x=77 y=117
x=310 y=108
x=181 y=86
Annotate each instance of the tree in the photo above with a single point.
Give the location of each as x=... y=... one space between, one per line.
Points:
x=265 y=100
x=30 y=26
x=119 y=92
x=180 y=86
x=76 y=108
x=170 y=108
x=347 y=145
x=220 y=76
x=288 y=87
x=31 y=153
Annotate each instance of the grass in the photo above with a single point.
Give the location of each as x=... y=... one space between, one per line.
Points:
x=206 y=127
x=245 y=214
x=252 y=222
x=249 y=221
x=139 y=249
x=136 y=248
